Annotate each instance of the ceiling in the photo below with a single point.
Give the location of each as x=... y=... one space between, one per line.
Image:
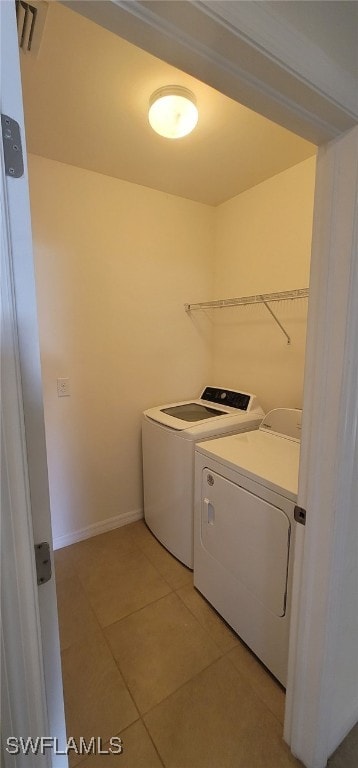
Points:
x=86 y=94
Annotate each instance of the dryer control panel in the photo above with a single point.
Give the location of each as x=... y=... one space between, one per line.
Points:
x=227 y=397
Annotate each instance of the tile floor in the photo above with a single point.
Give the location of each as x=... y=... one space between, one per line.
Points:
x=145 y=657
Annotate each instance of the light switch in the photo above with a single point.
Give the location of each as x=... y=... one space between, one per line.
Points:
x=63 y=387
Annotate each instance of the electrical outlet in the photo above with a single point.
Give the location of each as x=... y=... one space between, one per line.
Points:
x=63 y=387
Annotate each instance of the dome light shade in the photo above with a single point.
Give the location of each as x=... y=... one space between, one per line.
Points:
x=172 y=111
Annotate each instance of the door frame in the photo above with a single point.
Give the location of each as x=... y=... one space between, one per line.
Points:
x=31 y=663
x=328 y=483
x=24 y=701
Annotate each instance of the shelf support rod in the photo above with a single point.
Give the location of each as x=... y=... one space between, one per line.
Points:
x=277 y=321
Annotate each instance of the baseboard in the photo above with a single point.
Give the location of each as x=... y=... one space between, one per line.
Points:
x=96 y=528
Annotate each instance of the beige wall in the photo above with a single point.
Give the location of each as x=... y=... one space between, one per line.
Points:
x=115 y=263
x=263 y=245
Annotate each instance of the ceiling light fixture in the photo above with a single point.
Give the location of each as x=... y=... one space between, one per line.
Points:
x=172 y=111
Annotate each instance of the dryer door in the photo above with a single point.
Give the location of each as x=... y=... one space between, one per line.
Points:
x=249 y=537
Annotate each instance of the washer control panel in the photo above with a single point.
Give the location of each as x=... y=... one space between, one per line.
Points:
x=227 y=397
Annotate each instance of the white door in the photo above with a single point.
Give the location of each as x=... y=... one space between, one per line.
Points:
x=242 y=558
x=250 y=536
x=31 y=667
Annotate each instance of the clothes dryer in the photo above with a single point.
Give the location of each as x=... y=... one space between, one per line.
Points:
x=244 y=531
x=169 y=434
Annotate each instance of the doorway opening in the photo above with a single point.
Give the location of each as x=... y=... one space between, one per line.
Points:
x=117 y=256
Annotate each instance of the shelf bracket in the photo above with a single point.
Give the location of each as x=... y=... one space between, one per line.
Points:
x=277 y=321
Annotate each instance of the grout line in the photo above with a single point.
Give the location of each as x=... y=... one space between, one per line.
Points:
x=137 y=610
x=153 y=742
x=173 y=693
x=117 y=662
x=215 y=614
x=247 y=679
x=173 y=589
x=203 y=627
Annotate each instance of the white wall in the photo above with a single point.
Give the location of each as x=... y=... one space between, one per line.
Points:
x=115 y=263
x=263 y=245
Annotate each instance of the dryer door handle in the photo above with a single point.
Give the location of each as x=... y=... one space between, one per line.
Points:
x=210 y=512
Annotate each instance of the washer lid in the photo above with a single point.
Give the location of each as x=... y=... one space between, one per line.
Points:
x=206 y=413
x=192 y=411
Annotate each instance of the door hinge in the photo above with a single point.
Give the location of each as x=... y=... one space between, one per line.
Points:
x=11 y=139
x=43 y=562
x=300 y=515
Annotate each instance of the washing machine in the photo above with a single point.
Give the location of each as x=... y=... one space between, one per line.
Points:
x=244 y=531
x=169 y=434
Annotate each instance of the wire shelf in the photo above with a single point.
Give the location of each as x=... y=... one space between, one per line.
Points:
x=261 y=298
